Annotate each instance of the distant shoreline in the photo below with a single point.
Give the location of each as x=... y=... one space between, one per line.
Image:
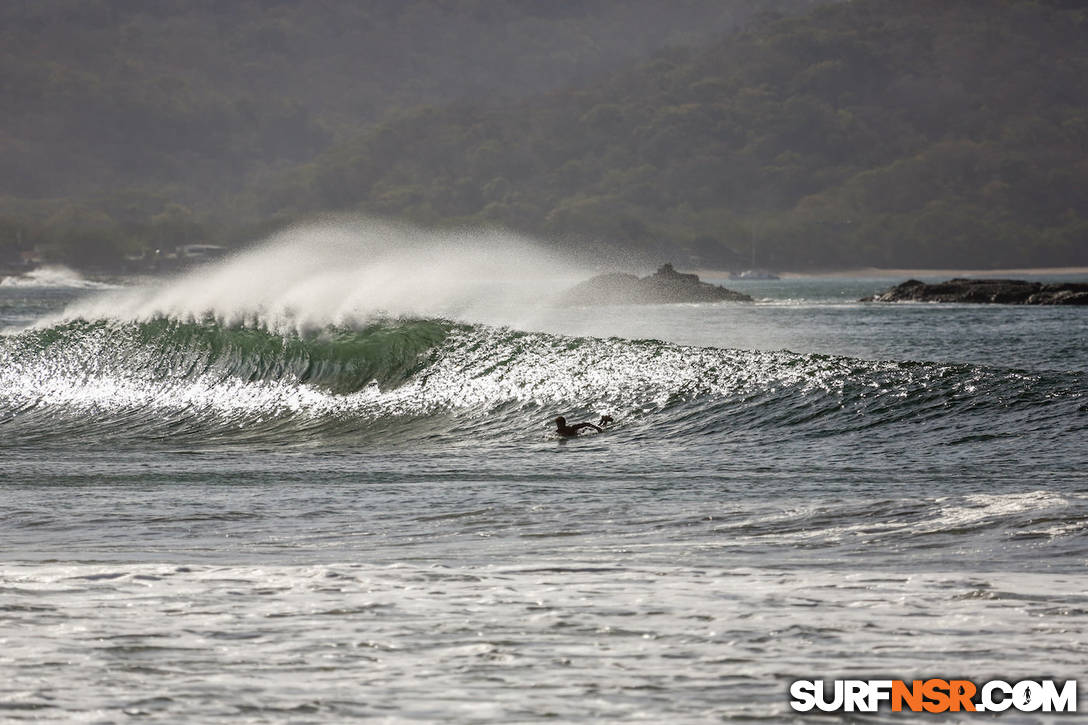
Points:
x=946 y=273
x=703 y=272
x=880 y=273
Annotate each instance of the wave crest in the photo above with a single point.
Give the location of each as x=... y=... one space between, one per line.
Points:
x=413 y=379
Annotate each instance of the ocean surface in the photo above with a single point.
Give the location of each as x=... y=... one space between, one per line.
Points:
x=225 y=499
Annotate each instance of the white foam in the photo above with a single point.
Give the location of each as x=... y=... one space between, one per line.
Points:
x=54 y=276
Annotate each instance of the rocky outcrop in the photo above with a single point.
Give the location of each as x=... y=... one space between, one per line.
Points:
x=665 y=285
x=994 y=291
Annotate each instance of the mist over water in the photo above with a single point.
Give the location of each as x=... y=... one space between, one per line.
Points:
x=346 y=271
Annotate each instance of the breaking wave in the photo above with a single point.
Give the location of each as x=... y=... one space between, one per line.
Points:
x=53 y=277
x=346 y=332
x=395 y=379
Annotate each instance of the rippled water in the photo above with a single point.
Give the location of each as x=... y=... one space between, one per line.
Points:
x=206 y=522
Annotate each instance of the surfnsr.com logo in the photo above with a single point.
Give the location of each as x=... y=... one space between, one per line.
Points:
x=933 y=695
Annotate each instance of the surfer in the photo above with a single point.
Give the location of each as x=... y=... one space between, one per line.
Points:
x=606 y=420
x=569 y=431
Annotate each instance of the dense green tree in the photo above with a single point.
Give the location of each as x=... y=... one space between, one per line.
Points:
x=865 y=133
x=192 y=101
x=871 y=132
x=82 y=235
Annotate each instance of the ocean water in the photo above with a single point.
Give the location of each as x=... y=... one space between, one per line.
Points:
x=272 y=492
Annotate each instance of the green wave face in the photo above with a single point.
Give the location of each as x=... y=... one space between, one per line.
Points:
x=338 y=360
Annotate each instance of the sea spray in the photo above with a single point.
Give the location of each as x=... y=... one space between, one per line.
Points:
x=365 y=331
x=345 y=271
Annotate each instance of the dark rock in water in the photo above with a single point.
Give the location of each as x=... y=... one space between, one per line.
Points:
x=995 y=291
x=665 y=285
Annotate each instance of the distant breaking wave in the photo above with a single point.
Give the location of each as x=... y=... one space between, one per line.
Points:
x=53 y=277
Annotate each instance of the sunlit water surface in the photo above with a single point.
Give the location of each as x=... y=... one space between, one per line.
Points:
x=834 y=489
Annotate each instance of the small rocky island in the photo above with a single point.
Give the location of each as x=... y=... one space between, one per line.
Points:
x=994 y=291
x=665 y=285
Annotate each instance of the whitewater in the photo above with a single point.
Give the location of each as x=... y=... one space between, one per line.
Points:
x=318 y=481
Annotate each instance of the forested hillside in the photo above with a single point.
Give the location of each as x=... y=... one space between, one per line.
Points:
x=868 y=133
x=127 y=121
